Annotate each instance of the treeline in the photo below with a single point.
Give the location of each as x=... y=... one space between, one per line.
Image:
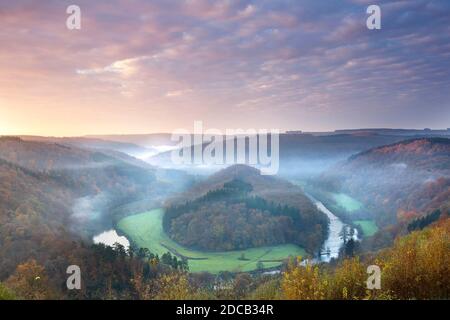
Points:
x=106 y=273
x=410 y=177
x=50 y=192
x=233 y=191
x=415 y=267
x=422 y=222
x=229 y=219
x=225 y=227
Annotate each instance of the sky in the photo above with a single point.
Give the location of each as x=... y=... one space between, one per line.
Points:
x=146 y=66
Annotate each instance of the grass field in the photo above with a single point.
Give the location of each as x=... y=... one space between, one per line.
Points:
x=145 y=231
x=346 y=202
x=368 y=226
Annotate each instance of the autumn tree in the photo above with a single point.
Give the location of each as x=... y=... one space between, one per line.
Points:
x=31 y=282
x=268 y=290
x=304 y=282
x=172 y=286
x=6 y=294
x=241 y=285
x=417 y=266
x=348 y=280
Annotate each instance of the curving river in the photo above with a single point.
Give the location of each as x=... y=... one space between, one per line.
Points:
x=330 y=248
x=335 y=241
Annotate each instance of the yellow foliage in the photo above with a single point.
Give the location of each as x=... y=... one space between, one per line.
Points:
x=417 y=266
x=304 y=283
x=30 y=282
x=172 y=286
x=269 y=290
x=6 y=294
x=349 y=280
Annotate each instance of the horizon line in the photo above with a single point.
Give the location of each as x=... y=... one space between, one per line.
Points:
x=290 y=131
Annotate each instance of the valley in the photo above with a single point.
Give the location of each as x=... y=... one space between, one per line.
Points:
x=224 y=150
x=64 y=202
x=145 y=230
x=346 y=207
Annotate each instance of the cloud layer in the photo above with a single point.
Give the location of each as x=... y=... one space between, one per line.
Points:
x=146 y=66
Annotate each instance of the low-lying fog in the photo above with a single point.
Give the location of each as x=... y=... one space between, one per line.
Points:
x=110 y=238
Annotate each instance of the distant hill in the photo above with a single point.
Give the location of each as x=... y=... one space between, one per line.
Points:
x=239 y=208
x=302 y=155
x=143 y=140
x=269 y=187
x=82 y=169
x=45 y=156
x=98 y=180
x=401 y=132
x=305 y=155
x=411 y=176
x=429 y=154
x=96 y=143
x=51 y=191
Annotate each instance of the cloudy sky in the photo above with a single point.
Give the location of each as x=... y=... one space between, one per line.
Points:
x=145 y=66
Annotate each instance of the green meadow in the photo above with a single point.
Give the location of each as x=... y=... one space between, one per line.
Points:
x=351 y=205
x=346 y=202
x=145 y=230
x=368 y=226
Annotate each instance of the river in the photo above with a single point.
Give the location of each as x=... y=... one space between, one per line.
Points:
x=334 y=241
x=329 y=250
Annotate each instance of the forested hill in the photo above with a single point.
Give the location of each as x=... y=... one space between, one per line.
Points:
x=239 y=208
x=304 y=155
x=411 y=177
x=33 y=211
x=93 y=143
x=48 y=156
x=43 y=156
x=48 y=190
x=269 y=187
x=426 y=154
x=83 y=170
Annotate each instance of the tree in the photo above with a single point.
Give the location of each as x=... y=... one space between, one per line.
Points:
x=172 y=286
x=6 y=294
x=303 y=283
x=241 y=285
x=349 y=248
x=348 y=280
x=417 y=266
x=268 y=290
x=30 y=282
x=260 y=266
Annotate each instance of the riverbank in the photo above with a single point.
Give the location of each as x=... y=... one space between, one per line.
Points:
x=145 y=230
